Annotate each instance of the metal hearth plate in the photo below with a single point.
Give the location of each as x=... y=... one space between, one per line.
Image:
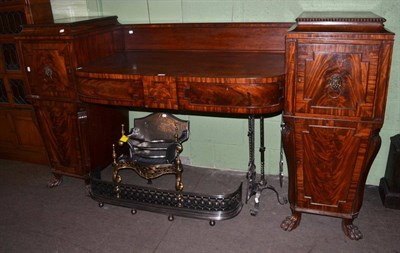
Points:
x=187 y=204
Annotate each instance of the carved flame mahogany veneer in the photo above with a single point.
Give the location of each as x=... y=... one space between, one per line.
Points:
x=85 y=73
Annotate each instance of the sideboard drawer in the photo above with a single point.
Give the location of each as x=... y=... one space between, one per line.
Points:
x=125 y=92
x=231 y=95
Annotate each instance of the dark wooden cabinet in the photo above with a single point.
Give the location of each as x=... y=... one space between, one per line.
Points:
x=20 y=138
x=78 y=137
x=336 y=86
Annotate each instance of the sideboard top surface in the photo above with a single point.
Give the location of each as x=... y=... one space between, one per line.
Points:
x=189 y=64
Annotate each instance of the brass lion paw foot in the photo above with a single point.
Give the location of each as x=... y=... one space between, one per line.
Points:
x=351 y=230
x=291 y=222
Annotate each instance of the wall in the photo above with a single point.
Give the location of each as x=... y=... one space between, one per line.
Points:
x=222 y=142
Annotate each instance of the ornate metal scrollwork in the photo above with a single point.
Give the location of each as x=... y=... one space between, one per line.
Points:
x=335 y=88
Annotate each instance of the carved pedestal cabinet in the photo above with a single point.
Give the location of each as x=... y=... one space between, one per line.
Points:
x=75 y=134
x=337 y=80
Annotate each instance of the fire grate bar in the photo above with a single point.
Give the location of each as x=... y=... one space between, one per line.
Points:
x=187 y=204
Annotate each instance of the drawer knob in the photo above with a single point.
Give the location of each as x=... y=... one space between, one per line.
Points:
x=335 y=88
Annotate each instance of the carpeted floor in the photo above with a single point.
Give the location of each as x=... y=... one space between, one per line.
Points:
x=34 y=218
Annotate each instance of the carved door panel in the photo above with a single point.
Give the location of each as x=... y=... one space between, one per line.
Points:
x=49 y=70
x=337 y=79
x=332 y=160
x=59 y=124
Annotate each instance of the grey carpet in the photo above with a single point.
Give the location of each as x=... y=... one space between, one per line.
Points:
x=34 y=218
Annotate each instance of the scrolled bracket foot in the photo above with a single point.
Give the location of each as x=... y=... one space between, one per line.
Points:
x=351 y=230
x=291 y=222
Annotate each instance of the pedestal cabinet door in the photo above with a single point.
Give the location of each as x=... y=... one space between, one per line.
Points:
x=337 y=79
x=58 y=121
x=333 y=159
x=49 y=70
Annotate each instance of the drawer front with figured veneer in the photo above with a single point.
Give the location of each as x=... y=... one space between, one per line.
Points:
x=125 y=92
x=231 y=95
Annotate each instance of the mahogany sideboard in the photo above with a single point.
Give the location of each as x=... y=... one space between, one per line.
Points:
x=78 y=67
x=85 y=73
